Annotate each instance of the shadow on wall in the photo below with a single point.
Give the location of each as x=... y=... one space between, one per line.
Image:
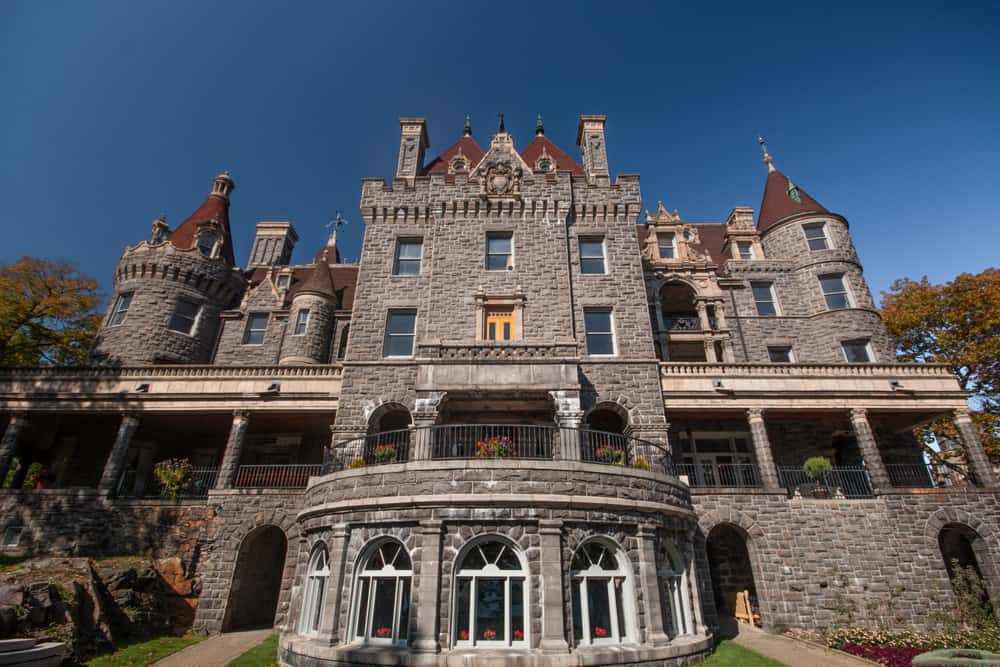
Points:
x=253 y=596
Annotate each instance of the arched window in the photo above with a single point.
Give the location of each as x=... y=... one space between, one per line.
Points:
x=490 y=598
x=382 y=595
x=602 y=597
x=672 y=576
x=316 y=578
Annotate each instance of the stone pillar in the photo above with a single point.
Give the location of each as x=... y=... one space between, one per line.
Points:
x=709 y=346
x=720 y=316
x=8 y=446
x=119 y=451
x=568 y=419
x=703 y=316
x=330 y=622
x=553 y=639
x=144 y=468
x=869 y=449
x=425 y=415
x=650 y=583
x=424 y=638
x=697 y=618
x=234 y=450
x=762 y=449
x=975 y=455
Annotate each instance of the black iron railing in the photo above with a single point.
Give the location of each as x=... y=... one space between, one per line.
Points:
x=739 y=475
x=201 y=480
x=492 y=441
x=850 y=481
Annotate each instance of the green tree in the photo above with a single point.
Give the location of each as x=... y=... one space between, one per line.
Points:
x=47 y=313
x=957 y=324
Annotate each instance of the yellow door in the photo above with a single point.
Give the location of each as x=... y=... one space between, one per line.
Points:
x=499 y=323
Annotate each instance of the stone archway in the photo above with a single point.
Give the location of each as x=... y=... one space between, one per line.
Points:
x=253 y=595
x=731 y=570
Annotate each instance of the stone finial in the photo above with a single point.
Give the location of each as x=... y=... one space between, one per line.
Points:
x=539 y=127
x=222 y=185
x=767 y=156
x=501 y=129
x=467 y=130
x=160 y=229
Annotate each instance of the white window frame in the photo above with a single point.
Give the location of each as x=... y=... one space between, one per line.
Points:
x=283 y=281
x=119 y=312
x=603 y=256
x=203 y=240
x=868 y=350
x=388 y=571
x=316 y=588
x=412 y=335
x=673 y=574
x=821 y=224
x=194 y=321
x=12 y=537
x=247 y=330
x=709 y=461
x=750 y=251
x=846 y=290
x=791 y=354
x=302 y=323
x=660 y=238
x=582 y=578
x=491 y=571
x=611 y=324
x=509 y=256
x=419 y=260
x=773 y=301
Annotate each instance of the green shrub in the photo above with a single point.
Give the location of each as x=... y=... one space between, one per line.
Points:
x=174 y=476
x=816 y=466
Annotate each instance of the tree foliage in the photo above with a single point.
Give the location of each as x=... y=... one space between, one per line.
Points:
x=47 y=313
x=957 y=324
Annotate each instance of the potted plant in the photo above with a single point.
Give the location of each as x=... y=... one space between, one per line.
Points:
x=641 y=463
x=385 y=453
x=356 y=462
x=174 y=477
x=816 y=469
x=494 y=448
x=38 y=478
x=609 y=454
x=489 y=634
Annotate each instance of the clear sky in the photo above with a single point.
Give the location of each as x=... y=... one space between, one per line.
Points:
x=114 y=112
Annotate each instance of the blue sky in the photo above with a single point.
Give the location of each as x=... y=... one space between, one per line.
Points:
x=114 y=112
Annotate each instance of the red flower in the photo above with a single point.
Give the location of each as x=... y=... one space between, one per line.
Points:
x=489 y=633
x=600 y=632
x=463 y=635
x=383 y=632
x=518 y=634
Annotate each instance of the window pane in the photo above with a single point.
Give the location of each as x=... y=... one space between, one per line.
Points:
x=780 y=354
x=761 y=291
x=517 y=609
x=120 y=310
x=496 y=262
x=319 y=583
x=832 y=283
x=491 y=550
x=577 y=617
x=766 y=309
x=184 y=316
x=745 y=249
x=473 y=560
x=498 y=244
x=402 y=322
x=301 y=322
x=817 y=244
x=404 y=609
x=619 y=585
x=361 y=624
x=410 y=249
x=592 y=265
x=666 y=243
x=600 y=344
x=490 y=602
x=384 y=603
x=591 y=248
x=408 y=267
x=597 y=321
x=836 y=301
x=599 y=608
x=399 y=346
x=856 y=351
x=462 y=612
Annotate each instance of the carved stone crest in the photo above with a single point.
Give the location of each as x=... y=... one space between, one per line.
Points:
x=502 y=181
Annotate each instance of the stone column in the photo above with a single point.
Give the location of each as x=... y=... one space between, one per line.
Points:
x=8 y=446
x=650 y=583
x=703 y=316
x=119 y=451
x=234 y=450
x=975 y=455
x=553 y=639
x=425 y=415
x=427 y=584
x=144 y=468
x=330 y=622
x=697 y=619
x=568 y=419
x=720 y=315
x=762 y=449
x=869 y=449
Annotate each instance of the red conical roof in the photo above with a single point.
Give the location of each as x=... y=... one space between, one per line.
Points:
x=470 y=149
x=780 y=201
x=214 y=208
x=564 y=162
x=320 y=281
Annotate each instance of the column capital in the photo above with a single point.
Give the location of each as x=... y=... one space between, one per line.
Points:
x=755 y=414
x=430 y=526
x=131 y=414
x=646 y=530
x=550 y=526
x=962 y=414
x=241 y=414
x=339 y=530
x=859 y=414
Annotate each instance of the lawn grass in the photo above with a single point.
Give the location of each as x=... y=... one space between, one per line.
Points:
x=728 y=654
x=264 y=654
x=139 y=653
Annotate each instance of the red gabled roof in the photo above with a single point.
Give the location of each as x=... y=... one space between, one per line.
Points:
x=779 y=204
x=470 y=149
x=564 y=162
x=214 y=208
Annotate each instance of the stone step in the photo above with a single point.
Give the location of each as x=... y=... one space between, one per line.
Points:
x=16 y=644
x=46 y=654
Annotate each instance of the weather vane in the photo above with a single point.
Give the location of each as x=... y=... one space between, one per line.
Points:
x=337 y=222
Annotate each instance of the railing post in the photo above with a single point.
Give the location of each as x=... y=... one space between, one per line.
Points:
x=762 y=449
x=119 y=451
x=234 y=450
x=979 y=463
x=869 y=449
x=8 y=446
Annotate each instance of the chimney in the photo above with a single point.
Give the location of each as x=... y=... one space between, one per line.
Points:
x=590 y=139
x=413 y=142
x=272 y=244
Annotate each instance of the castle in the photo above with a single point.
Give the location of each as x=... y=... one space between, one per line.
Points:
x=533 y=425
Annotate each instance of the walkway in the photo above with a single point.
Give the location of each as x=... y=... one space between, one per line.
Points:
x=793 y=652
x=217 y=650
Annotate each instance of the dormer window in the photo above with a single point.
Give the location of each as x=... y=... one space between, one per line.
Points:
x=282 y=281
x=545 y=166
x=667 y=245
x=459 y=165
x=745 y=249
x=207 y=244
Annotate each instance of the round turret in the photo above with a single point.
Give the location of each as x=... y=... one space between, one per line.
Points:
x=312 y=317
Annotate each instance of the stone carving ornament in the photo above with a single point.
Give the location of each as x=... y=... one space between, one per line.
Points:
x=502 y=180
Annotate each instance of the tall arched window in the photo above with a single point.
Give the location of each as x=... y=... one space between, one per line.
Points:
x=490 y=596
x=672 y=575
x=316 y=578
x=602 y=597
x=382 y=595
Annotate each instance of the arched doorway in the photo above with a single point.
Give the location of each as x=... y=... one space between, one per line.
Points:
x=253 y=596
x=731 y=572
x=956 y=543
x=388 y=430
x=603 y=439
x=683 y=325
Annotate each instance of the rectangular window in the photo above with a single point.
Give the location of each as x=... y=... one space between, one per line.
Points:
x=592 y=255
x=816 y=235
x=255 y=329
x=185 y=316
x=745 y=249
x=857 y=351
x=780 y=354
x=301 y=322
x=835 y=291
x=600 y=334
x=499 y=251
x=12 y=536
x=499 y=321
x=120 y=310
x=408 y=253
x=282 y=282
x=763 y=297
x=399 y=330
x=665 y=241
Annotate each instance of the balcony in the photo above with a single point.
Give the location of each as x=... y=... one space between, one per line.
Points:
x=686 y=323
x=130 y=486
x=721 y=475
x=846 y=481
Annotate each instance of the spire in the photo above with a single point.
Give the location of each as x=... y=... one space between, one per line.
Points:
x=782 y=198
x=501 y=129
x=767 y=156
x=467 y=130
x=222 y=185
x=330 y=249
x=539 y=128
x=215 y=207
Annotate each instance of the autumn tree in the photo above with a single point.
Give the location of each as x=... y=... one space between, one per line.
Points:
x=957 y=324
x=47 y=313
